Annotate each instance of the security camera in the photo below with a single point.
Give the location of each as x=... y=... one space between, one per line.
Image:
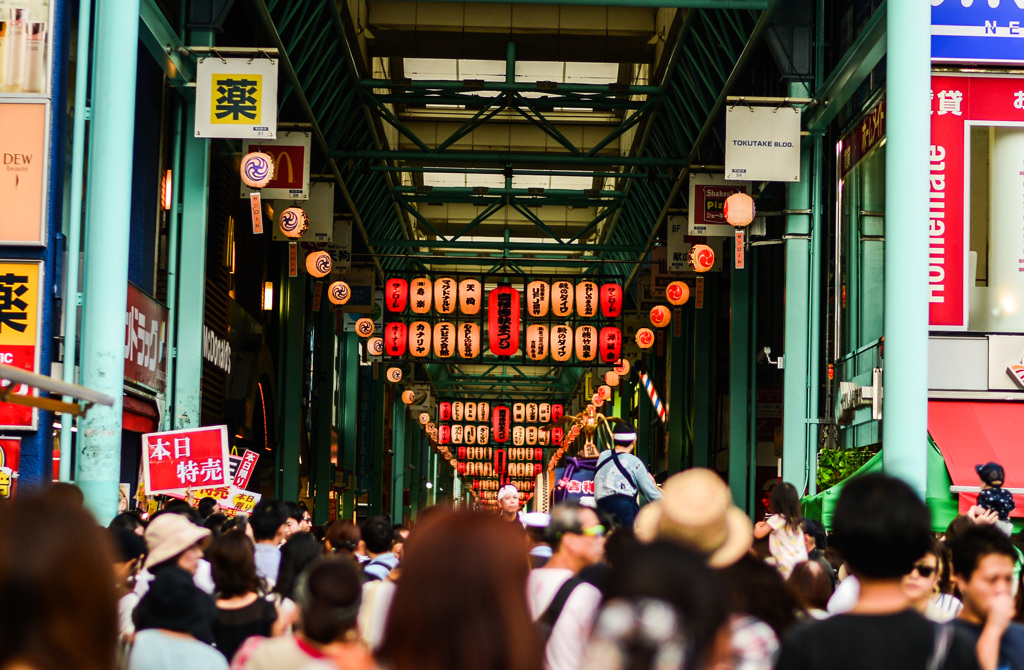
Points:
x=763 y=355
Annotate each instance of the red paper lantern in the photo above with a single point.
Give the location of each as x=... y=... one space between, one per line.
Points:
x=586 y=343
x=611 y=300
x=420 y=295
x=701 y=257
x=660 y=316
x=538 y=454
x=611 y=378
x=396 y=294
x=561 y=343
x=645 y=338
x=556 y=436
x=538 y=294
x=586 y=299
x=610 y=344
x=468 y=337
x=500 y=461
x=444 y=434
x=677 y=293
x=503 y=320
x=444 y=295
x=471 y=294
x=557 y=411
x=501 y=423
x=561 y=298
x=622 y=367
x=537 y=342
x=395 y=336
x=419 y=339
x=462 y=469
x=444 y=412
x=444 y=339
x=604 y=391
x=739 y=210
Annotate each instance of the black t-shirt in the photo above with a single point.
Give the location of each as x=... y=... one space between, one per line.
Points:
x=1011 y=645
x=902 y=641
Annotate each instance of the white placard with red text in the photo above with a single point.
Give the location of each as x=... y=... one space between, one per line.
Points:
x=959 y=101
x=181 y=459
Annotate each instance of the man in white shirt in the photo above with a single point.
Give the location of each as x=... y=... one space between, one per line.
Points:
x=269 y=524
x=577 y=539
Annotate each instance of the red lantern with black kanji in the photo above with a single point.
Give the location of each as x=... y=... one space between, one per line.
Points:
x=444 y=412
x=503 y=320
x=557 y=411
x=395 y=336
x=462 y=453
x=396 y=294
x=611 y=300
x=462 y=468
x=501 y=423
x=500 y=461
x=444 y=434
x=610 y=344
x=556 y=436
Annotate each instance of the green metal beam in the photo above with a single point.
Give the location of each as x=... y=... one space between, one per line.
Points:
x=540 y=158
x=163 y=43
x=291 y=325
x=508 y=246
x=324 y=377
x=740 y=360
x=422 y=85
x=348 y=370
x=447 y=192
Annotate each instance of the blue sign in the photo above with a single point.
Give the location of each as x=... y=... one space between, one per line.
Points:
x=978 y=31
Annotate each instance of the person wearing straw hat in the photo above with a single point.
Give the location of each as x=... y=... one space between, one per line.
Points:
x=620 y=476
x=174 y=540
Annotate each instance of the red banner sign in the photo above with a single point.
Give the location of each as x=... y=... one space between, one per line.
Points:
x=182 y=459
x=503 y=320
x=145 y=341
x=245 y=468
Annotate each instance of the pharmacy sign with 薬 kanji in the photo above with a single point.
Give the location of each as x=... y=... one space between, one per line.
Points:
x=236 y=98
x=20 y=319
x=177 y=460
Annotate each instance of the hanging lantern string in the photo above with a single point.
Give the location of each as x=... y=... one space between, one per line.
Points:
x=652 y=393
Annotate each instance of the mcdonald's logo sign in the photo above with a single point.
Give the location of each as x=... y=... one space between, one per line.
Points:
x=289 y=164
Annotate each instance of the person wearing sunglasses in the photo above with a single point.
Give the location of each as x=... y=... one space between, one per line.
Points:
x=927 y=585
x=561 y=603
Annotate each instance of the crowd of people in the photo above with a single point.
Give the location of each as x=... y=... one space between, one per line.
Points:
x=690 y=584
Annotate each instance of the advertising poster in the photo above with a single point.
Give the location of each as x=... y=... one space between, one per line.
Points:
x=21 y=308
x=978 y=32
x=708 y=194
x=24 y=46
x=182 y=459
x=145 y=341
x=23 y=166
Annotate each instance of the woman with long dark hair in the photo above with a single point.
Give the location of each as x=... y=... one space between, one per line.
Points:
x=461 y=602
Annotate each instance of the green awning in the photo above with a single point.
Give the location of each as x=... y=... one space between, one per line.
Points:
x=941 y=502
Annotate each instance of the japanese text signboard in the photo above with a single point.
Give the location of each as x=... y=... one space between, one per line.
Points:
x=180 y=459
x=978 y=32
x=145 y=341
x=958 y=103
x=245 y=468
x=236 y=97
x=23 y=168
x=20 y=318
x=762 y=143
x=708 y=193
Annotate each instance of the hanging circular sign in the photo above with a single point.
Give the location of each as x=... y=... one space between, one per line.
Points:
x=645 y=338
x=394 y=374
x=339 y=292
x=660 y=316
x=257 y=169
x=319 y=264
x=701 y=257
x=677 y=293
x=293 y=222
x=364 y=327
x=408 y=397
x=375 y=346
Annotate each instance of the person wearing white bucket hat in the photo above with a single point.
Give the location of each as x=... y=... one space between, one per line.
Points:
x=172 y=537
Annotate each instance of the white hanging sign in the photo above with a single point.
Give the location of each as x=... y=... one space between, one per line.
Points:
x=290 y=152
x=762 y=143
x=341 y=247
x=319 y=208
x=236 y=98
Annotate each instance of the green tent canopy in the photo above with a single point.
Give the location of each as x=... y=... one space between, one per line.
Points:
x=942 y=503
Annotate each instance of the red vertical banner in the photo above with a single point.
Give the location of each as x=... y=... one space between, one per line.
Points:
x=503 y=321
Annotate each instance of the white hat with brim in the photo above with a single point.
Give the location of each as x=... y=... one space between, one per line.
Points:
x=170 y=534
x=697 y=510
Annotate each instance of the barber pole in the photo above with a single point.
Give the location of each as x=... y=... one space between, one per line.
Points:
x=652 y=393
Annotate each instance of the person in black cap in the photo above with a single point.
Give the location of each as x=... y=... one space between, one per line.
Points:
x=993 y=497
x=621 y=476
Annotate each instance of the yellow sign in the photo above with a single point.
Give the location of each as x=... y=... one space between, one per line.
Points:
x=19 y=303
x=237 y=99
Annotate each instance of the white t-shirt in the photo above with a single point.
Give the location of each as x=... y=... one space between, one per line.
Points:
x=786 y=544
x=569 y=637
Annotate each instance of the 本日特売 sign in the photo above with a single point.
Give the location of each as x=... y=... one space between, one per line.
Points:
x=708 y=193
x=958 y=102
x=236 y=98
x=195 y=458
x=290 y=152
x=20 y=317
x=145 y=340
x=23 y=166
x=762 y=143
x=978 y=32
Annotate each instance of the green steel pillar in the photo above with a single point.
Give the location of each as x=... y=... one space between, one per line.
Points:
x=324 y=375
x=106 y=250
x=349 y=371
x=797 y=323
x=398 y=425
x=377 y=482
x=191 y=270
x=291 y=325
x=702 y=351
x=675 y=395
x=740 y=359
x=905 y=400
x=416 y=474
